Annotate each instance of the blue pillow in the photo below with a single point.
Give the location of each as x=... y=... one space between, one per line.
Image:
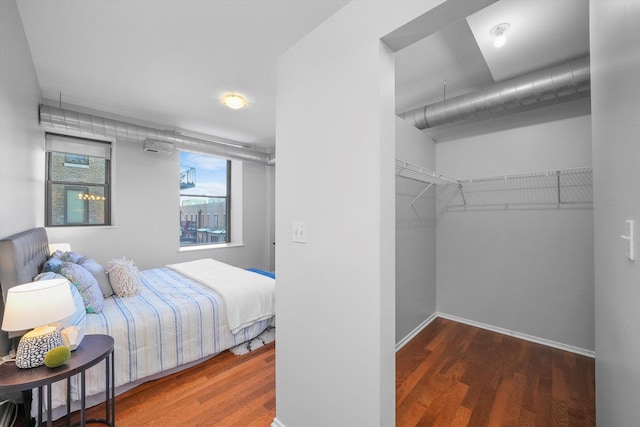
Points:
x=52 y=265
x=86 y=284
x=73 y=257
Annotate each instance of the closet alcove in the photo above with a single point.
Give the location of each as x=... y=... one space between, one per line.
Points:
x=496 y=229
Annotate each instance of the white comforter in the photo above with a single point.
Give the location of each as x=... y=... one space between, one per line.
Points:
x=249 y=297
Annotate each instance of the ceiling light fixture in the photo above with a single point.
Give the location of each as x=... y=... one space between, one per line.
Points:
x=234 y=101
x=498 y=32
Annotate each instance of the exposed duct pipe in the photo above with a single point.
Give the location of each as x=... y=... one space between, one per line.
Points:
x=58 y=118
x=556 y=82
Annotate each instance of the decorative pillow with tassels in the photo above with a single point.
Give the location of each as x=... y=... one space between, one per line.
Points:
x=124 y=277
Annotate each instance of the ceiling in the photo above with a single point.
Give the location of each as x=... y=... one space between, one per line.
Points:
x=461 y=58
x=170 y=62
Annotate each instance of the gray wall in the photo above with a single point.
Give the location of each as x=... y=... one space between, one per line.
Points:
x=529 y=271
x=415 y=234
x=615 y=94
x=22 y=158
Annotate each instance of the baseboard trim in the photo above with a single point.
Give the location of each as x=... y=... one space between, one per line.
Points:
x=537 y=340
x=415 y=332
x=276 y=423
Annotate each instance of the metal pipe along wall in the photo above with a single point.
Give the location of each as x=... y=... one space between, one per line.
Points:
x=553 y=83
x=58 y=118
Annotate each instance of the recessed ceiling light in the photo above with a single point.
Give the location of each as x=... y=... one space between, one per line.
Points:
x=234 y=101
x=498 y=32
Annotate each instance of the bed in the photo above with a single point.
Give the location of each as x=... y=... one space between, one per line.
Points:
x=174 y=323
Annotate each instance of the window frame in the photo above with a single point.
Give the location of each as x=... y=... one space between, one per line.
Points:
x=68 y=185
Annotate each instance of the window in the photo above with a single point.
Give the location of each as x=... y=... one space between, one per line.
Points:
x=78 y=188
x=205 y=192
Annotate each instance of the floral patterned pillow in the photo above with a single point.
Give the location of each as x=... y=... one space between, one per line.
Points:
x=86 y=284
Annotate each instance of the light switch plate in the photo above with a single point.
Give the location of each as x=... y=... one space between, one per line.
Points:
x=299 y=232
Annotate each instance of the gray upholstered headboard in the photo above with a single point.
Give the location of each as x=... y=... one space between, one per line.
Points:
x=21 y=258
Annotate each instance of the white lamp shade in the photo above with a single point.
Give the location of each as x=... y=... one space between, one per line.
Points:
x=63 y=247
x=37 y=304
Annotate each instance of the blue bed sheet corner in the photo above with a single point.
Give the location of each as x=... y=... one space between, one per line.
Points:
x=264 y=273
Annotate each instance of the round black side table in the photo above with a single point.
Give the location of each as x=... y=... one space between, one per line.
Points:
x=92 y=350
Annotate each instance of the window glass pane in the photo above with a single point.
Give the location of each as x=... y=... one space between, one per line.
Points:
x=204 y=199
x=76 y=159
x=74 y=205
x=195 y=228
x=77 y=168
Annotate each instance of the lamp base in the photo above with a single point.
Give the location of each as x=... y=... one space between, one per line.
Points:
x=32 y=349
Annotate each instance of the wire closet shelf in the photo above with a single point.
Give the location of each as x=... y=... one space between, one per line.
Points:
x=561 y=188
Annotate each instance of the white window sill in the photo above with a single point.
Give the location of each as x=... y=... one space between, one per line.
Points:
x=207 y=247
x=81 y=227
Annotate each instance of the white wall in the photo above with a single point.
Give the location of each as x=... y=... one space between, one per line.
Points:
x=529 y=271
x=22 y=158
x=271 y=218
x=615 y=94
x=415 y=234
x=335 y=361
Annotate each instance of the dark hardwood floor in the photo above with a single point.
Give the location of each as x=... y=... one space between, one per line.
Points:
x=449 y=375
x=227 y=390
x=453 y=374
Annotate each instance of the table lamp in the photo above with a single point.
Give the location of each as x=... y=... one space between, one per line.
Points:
x=35 y=305
x=62 y=247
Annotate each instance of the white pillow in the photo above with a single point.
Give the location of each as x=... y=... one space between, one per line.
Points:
x=124 y=277
x=100 y=274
